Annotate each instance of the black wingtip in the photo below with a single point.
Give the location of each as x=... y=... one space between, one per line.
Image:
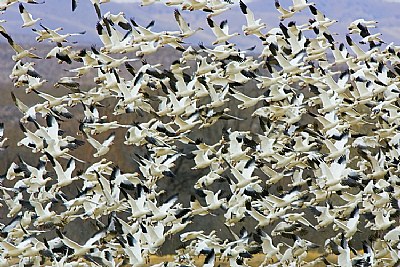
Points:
x=21 y=8
x=349 y=40
x=74 y=5
x=210 y=22
x=243 y=7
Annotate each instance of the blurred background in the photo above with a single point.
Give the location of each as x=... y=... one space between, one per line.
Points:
x=57 y=13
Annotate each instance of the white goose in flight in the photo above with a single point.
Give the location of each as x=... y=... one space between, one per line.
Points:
x=284 y=12
x=20 y=52
x=101 y=148
x=253 y=26
x=185 y=30
x=299 y=5
x=221 y=31
x=27 y=17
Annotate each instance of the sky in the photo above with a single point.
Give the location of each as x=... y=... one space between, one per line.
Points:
x=56 y=13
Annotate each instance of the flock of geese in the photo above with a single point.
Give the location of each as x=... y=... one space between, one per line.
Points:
x=325 y=157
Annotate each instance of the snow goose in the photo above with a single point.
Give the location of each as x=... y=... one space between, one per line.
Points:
x=31 y=140
x=36 y=177
x=350 y=225
x=286 y=199
x=204 y=67
x=325 y=215
x=20 y=69
x=148 y=2
x=45 y=217
x=51 y=134
x=212 y=199
x=337 y=149
x=185 y=30
x=382 y=221
x=273 y=176
x=178 y=226
x=192 y=5
x=3 y=139
x=241 y=72
x=33 y=83
x=361 y=55
x=127 y=181
x=15 y=228
x=218 y=98
x=103 y=35
x=80 y=250
x=341 y=85
x=299 y=5
x=271 y=251
x=185 y=125
x=243 y=172
x=69 y=82
x=372 y=39
x=223 y=51
x=27 y=17
x=13 y=203
x=330 y=101
x=297 y=217
x=340 y=54
x=163 y=212
x=113 y=40
x=286 y=228
x=133 y=249
x=284 y=12
x=64 y=177
x=148 y=48
x=260 y=217
x=137 y=205
x=146 y=35
x=253 y=26
x=221 y=31
x=344 y=258
x=11 y=250
x=118 y=19
x=202 y=158
x=107 y=61
x=366 y=23
x=181 y=106
x=331 y=124
x=100 y=127
x=332 y=175
x=304 y=142
x=211 y=177
x=320 y=19
x=44 y=34
x=101 y=148
x=59 y=38
x=316 y=50
x=174 y=2
x=235 y=151
x=20 y=53
x=51 y=101
x=247 y=101
x=294 y=35
x=173 y=41
x=217 y=7
x=196 y=208
x=136 y=135
x=294 y=65
x=154 y=235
